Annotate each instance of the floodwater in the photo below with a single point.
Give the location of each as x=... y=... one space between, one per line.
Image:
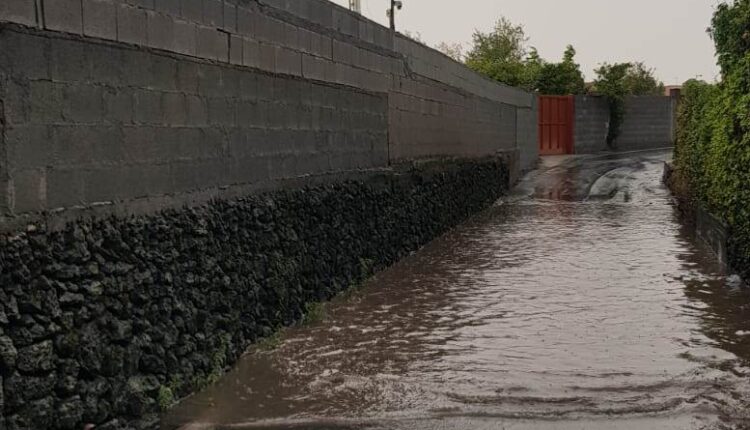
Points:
x=578 y=302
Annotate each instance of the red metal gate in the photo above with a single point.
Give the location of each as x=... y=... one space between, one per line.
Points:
x=556 y=121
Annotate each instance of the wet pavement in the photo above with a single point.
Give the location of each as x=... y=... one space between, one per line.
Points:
x=578 y=302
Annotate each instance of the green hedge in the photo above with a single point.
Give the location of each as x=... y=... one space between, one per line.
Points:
x=712 y=155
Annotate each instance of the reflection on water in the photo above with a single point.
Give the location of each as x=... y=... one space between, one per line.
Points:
x=578 y=302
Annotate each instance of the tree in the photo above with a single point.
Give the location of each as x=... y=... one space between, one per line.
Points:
x=610 y=82
x=534 y=64
x=561 y=78
x=500 y=54
x=453 y=50
x=416 y=36
x=615 y=81
x=640 y=81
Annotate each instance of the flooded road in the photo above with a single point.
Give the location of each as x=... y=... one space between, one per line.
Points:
x=578 y=302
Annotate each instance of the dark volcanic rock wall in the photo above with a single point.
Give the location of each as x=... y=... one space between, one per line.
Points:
x=101 y=321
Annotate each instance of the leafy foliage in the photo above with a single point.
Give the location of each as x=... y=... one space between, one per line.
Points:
x=615 y=81
x=453 y=50
x=610 y=83
x=713 y=141
x=503 y=55
x=640 y=81
x=500 y=54
x=561 y=78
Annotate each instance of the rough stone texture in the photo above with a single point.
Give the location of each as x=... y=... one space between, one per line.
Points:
x=100 y=315
x=592 y=124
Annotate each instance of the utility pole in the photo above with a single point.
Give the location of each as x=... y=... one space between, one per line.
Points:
x=395 y=5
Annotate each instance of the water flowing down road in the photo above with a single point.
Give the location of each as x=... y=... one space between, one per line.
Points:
x=578 y=302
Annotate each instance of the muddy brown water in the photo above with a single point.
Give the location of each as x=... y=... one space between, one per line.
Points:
x=578 y=302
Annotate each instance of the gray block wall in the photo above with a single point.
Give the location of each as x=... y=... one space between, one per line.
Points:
x=592 y=124
x=155 y=94
x=88 y=123
x=649 y=123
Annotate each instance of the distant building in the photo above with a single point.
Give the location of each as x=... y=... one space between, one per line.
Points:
x=672 y=90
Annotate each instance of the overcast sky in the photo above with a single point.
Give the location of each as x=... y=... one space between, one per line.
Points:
x=668 y=35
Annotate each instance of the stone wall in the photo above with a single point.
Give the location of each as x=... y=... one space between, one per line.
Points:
x=179 y=178
x=178 y=97
x=101 y=320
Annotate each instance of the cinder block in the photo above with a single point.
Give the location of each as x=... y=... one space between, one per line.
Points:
x=64 y=188
x=146 y=4
x=212 y=44
x=246 y=21
x=160 y=31
x=63 y=15
x=162 y=73
x=192 y=10
x=106 y=144
x=251 y=53
x=313 y=67
x=175 y=109
x=29 y=146
x=197 y=175
x=250 y=169
x=107 y=185
x=83 y=104
x=266 y=87
x=73 y=145
x=188 y=76
x=197 y=111
x=248 y=86
x=118 y=105
x=131 y=25
x=221 y=111
x=46 y=102
x=185 y=38
x=230 y=17
x=147 y=107
x=323 y=47
x=169 y=7
x=135 y=68
x=235 y=50
x=100 y=19
x=216 y=81
x=25 y=55
x=18 y=11
x=291 y=36
x=141 y=145
x=29 y=191
x=213 y=13
x=288 y=61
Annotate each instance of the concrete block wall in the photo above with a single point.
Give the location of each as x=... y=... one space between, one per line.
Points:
x=527 y=135
x=88 y=123
x=592 y=124
x=648 y=123
x=435 y=106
